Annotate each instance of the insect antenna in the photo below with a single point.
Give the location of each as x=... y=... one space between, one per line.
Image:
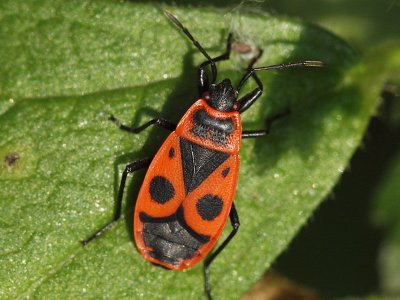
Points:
x=175 y=20
x=306 y=63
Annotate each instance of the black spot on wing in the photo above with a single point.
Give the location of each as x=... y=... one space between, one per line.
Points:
x=161 y=189
x=225 y=172
x=209 y=207
x=171 y=152
x=198 y=163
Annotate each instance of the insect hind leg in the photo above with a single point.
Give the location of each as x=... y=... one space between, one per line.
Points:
x=133 y=167
x=234 y=218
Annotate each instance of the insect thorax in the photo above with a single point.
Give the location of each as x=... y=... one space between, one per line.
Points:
x=210 y=128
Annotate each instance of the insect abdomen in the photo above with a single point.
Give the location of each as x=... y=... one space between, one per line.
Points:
x=184 y=202
x=170 y=239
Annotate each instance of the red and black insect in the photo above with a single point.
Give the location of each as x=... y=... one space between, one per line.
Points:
x=187 y=193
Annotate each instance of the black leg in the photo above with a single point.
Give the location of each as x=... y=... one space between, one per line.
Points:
x=137 y=165
x=251 y=97
x=233 y=215
x=259 y=133
x=203 y=78
x=247 y=100
x=158 y=121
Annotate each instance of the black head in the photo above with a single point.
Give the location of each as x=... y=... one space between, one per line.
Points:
x=222 y=96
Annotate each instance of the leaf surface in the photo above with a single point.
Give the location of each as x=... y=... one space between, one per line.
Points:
x=66 y=66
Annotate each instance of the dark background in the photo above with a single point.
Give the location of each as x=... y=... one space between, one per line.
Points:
x=347 y=247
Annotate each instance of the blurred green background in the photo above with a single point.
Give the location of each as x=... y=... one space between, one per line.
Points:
x=352 y=244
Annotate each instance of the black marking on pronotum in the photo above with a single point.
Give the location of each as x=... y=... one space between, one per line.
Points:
x=201 y=117
x=208 y=127
x=171 y=152
x=170 y=238
x=161 y=189
x=225 y=172
x=209 y=207
x=198 y=163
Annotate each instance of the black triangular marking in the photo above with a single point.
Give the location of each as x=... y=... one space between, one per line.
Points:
x=198 y=163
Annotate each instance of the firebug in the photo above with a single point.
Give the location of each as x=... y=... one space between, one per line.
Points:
x=187 y=194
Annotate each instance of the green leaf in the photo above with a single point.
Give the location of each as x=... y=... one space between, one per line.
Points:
x=67 y=65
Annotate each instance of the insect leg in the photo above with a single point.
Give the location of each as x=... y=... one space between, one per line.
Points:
x=259 y=133
x=133 y=167
x=203 y=78
x=248 y=100
x=157 y=121
x=233 y=215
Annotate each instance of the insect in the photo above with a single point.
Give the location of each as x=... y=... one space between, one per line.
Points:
x=187 y=193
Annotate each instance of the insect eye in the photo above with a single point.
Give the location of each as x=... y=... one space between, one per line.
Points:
x=205 y=95
x=236 y=105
